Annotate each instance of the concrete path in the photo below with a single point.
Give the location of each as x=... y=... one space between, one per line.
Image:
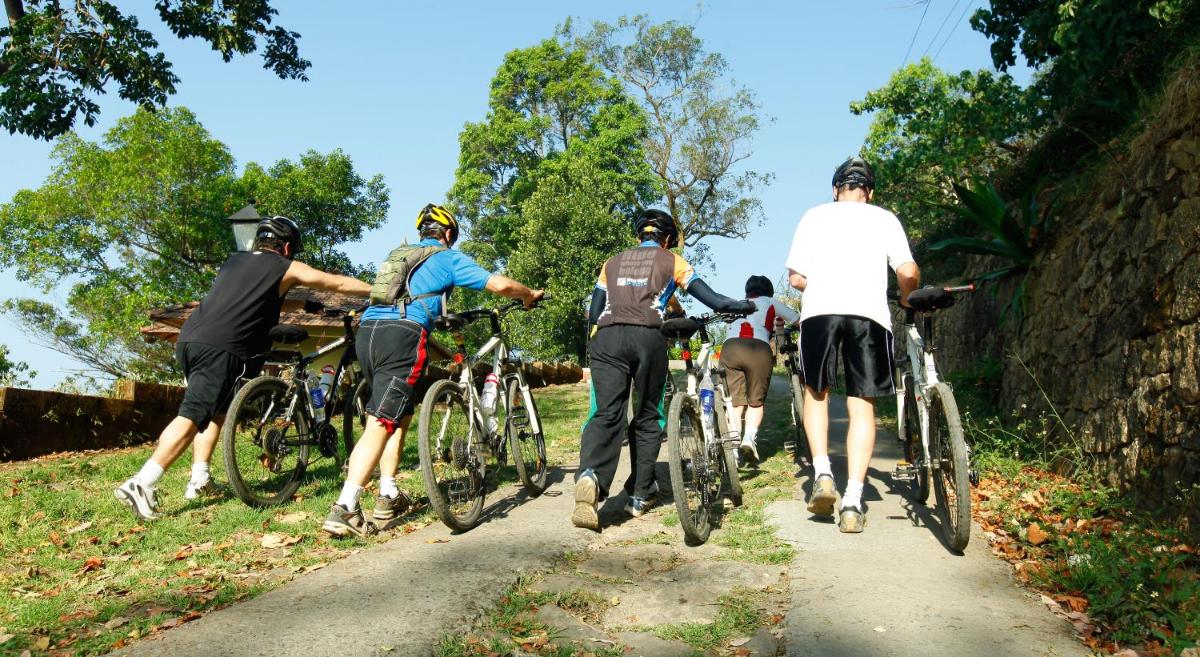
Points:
x=895 y=590
x=394 y=599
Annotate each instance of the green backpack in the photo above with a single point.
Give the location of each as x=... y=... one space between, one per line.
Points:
x=391 y=282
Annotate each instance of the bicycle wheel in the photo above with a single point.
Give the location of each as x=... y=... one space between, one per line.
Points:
x=354 y=419
x=729 y=458
x=912 y=444
x=951 y=481
x=453 y=471
x=693 y=481
x=259 y=440
x=528 y=447
x=803 y=454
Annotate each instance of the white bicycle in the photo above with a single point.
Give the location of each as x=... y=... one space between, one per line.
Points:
x=928 y=423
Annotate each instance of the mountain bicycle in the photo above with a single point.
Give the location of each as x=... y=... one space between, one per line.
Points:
x=272 y=425
x=458 y=433
x=702 y=455
x=928 y=422
x=788 y=349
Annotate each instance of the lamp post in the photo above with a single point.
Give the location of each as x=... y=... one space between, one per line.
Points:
x=245 y=225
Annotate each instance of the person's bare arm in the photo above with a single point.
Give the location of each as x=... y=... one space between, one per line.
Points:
x=908 y=277
x=301 y=274
x=797 y=280
x=507 y=287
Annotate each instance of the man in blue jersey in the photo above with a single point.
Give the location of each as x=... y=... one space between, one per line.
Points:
x=392 y=350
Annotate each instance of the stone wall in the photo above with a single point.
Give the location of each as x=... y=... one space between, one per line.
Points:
x=1112 y=326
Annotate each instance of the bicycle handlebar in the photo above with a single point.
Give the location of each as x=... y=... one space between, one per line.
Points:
x=955 y=289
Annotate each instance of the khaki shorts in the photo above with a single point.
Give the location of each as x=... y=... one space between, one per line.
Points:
x=748 y=364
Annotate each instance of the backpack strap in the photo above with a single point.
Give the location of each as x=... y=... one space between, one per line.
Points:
x=408 y=295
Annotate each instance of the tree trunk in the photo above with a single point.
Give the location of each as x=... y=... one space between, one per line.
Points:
x=15 y=10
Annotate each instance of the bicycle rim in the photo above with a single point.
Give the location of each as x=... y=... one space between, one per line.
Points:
x=692 y=477
x=264 y=464
x=528 y=447
x=912 y=446
x=951 y=478
x=728 y=462
x=354 y=420
x=453 y=471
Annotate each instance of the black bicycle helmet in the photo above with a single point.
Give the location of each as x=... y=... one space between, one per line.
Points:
x=658 y=222
x=854 y=172
x=759 y=286
x=282 y=228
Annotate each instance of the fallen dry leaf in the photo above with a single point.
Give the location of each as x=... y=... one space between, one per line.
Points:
x=296 y=517
x=276 y=540
x=183 y=553
x=740 y=641
x=741 y=652
x=1036 y=534
x=616 y=600
x=80 y=527
x=42 y=643
x=4 y=638
x=56 y=539
x=115 y=622
x=92 y=563
x=438 y=540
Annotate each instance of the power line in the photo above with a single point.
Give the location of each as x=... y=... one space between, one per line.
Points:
x=956 y=24
x=939 y=30
x=918 y=31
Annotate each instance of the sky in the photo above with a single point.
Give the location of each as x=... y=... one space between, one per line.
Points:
x=393 y=83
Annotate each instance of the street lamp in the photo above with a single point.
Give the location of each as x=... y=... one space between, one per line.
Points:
x=245 y=226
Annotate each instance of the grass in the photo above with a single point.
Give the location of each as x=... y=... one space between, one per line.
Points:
x=80 y=575
x=740 y=614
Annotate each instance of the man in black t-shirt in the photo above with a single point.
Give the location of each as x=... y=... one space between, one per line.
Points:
x=221 y=342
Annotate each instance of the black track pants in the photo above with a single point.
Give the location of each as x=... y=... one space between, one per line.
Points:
x=619 y=354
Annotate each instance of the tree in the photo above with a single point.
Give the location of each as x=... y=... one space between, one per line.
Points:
x=700 y=124
x=54 y=60
x=547 y=182
x=13 y=374
x=931 y=128
x=138 y=221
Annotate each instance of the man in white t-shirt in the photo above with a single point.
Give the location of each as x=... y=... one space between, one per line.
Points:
x=839 y=260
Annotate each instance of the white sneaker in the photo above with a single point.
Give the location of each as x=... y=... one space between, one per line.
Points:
x=749 y=448
x=141 y=500
x=207 y=489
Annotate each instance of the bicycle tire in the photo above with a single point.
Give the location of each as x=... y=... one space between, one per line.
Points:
x=690 y=485
x=354 y=419
x=919 y=487
x=527 y=447
x=951 y=481
x=803 y=453
x=729 y=456
x=458 y=501
x=260 y=402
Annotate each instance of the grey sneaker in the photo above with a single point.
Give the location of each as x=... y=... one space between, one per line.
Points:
x=387 y=508
x=209 y=488
x=824 y=494
x=141 y=500
x=587 y=492
x=749 y=451
x=344 y=522
x=851 y=520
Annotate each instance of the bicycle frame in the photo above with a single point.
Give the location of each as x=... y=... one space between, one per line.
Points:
x=924 y=376
x=299 y=379
x=702 y=367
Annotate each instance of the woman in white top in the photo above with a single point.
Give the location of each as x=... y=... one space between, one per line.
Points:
x=748 y=358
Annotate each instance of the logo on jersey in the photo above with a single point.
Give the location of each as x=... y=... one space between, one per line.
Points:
x=632 y=282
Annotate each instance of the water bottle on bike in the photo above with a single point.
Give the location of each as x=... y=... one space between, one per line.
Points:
x=707 y=398
x=318 y=398
x=491 y=387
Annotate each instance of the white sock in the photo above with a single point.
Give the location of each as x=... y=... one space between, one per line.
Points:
x=199 y=473
x=150 y=474
x=853 y=494
x=822 y=466
x=387 y=487
x=349 y=496
x=751 y=435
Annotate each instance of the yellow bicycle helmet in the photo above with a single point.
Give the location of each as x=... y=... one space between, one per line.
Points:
x=439 y=215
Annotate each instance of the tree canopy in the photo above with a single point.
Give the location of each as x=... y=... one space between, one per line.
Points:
x=56 y=57
x=139 y=220
x=13 y=374
x=700 y=124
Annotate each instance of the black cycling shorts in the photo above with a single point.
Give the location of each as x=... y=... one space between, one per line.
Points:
x=865 y=348
x=393 y=356
x=211 y=375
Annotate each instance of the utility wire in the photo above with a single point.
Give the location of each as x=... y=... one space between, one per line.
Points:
x=918 y=31
x=939 y=30
x=956 y=24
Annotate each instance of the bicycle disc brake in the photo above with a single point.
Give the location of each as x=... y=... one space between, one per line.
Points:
x=326 y=439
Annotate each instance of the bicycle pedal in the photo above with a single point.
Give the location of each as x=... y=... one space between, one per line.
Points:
x=904 y=472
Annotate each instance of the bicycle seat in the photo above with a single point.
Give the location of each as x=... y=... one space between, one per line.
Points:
x=680 y=327
x=288 y=334
x=927 y=299
x=450 y=322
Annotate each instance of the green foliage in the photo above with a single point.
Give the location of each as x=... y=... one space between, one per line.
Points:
x=13 y=374
x=700 y=124
x=55 y=59
x=930 y=128
x=138 y=221
x=546 y=181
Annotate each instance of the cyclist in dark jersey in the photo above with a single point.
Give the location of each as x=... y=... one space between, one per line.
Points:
x=222 y=341
x=627 y=308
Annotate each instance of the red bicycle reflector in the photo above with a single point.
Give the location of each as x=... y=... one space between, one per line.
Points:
x=458 y=358
x=687 y=355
